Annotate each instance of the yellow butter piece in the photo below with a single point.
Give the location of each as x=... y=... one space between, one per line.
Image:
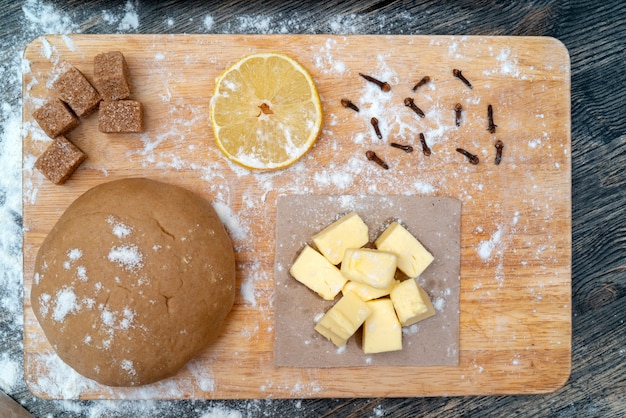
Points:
x=314 y=271
x=347 y=232
x=343 y=319
x=371 y=267
x=382 y=331
x=413 y=258
x=411 y=302
x=367 y=292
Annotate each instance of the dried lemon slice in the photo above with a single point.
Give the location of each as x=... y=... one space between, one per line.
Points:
x=266 y=112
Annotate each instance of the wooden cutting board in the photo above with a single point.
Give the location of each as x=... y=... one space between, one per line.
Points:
x=515 y=301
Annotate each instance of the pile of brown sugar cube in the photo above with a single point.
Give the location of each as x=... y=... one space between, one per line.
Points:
x=75 y=98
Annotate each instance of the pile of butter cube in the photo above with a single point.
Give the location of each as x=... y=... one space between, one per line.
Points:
x=371 y=296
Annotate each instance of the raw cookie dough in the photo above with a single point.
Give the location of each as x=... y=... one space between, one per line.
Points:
x=134 y=280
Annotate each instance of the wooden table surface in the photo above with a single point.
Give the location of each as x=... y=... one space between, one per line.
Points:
x=593 y=32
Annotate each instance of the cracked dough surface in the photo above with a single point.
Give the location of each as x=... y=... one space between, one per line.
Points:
x=134 y=280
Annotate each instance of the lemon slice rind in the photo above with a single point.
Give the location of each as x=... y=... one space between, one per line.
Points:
x=266 y=112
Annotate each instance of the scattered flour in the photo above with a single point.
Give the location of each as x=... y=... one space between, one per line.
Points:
x=10 y=373
x=37 y=18
x=325 y=59
x=237 y=230
x=115 y=321
x=119 y=229
x=208 y=22
x=126 y=21
x=215 y=412
x=439 y=303
x=410 y=330
x=204 y=377
x=41 y=17
x=379 y=411
x=248 y=291
x=74 y=254
x=508 y=64
x=486 y=247
x=128 y=366
x=65 y=303
x=254 y=275
x=127 y=256
x=63 y=383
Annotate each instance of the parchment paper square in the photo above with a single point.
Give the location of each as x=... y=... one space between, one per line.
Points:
x=435 y=222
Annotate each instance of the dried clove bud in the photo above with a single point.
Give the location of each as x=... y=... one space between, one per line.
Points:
x=492 y=126
x=457 y=110
x=374 y=122
x=371 y=155
x=349 y=105
x=425 y=149
x=473 y=159
x=405 y=148
x=410 y=103
x=457 y=73
x=499 y=146
x=384 y=86
x=420 y=83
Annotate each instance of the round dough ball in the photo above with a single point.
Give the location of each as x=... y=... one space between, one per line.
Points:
x=134 y=280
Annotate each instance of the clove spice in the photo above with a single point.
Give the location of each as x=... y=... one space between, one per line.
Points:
x=492 y=126
x=473 y=159
x=349 y=105
x=499 y=146
x=384 y=86
x=457 y=110
x=405 y=148
x=374 y=122
x=425 y=148
x=410 y=103
x=420 y=83
x=371 y=155
x=457 y=73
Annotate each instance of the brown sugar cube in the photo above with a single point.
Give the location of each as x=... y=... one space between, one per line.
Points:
x=111 y=76
x=75 y=90
x=59 y=160
x=120 y=116
x=55 y=118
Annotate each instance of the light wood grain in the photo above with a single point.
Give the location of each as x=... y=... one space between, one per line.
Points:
x=515 y=304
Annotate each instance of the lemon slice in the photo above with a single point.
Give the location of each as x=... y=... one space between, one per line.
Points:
x=266 y=111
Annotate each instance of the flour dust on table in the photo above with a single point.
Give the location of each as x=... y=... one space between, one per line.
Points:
x=40 y=17
x=491 y=240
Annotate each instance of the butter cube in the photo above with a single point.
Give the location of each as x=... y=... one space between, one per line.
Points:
x=343 y=319
x=367 y=292
x=411 y=302
x=347 y=232
x=413 y=258
x=314 y=271
x=382 y=331
x=371 y=267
